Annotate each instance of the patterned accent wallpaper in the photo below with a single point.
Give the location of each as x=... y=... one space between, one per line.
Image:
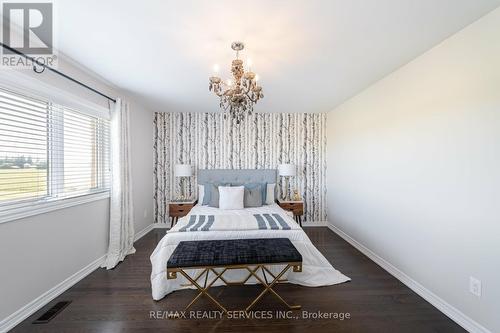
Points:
x=262 y=141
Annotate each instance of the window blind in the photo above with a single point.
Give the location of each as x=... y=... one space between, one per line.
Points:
x=49 y=152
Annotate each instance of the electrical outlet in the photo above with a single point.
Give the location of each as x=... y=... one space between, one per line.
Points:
x=475 y=286
x=145 y=213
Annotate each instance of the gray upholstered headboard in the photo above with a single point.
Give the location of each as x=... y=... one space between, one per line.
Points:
x=237 y=176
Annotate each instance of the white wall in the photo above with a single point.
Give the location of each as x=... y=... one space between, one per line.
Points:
x=39 y=252
x=141 y=131
x=414 y=169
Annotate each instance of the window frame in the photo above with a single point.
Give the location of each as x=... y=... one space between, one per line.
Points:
x=51 y=202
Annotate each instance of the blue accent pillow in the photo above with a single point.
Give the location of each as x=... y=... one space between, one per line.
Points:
x=254 y=185
x=207 y=197
x=207 y=194
x=253 y=196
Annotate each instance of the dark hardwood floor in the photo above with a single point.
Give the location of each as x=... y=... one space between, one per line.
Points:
x=120 y=300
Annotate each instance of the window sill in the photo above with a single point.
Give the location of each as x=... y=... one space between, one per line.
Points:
x=46 y=207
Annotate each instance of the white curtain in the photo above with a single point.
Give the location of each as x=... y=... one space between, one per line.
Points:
x=121 y=224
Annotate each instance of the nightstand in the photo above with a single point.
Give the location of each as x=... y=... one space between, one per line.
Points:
x=178 y=209
x=297 y=207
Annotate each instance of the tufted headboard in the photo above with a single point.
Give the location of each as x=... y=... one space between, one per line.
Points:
x=237 y=176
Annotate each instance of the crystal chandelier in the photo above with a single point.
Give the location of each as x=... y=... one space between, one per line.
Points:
x=237 y=96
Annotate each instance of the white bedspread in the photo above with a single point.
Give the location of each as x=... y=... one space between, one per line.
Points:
x=316 y=270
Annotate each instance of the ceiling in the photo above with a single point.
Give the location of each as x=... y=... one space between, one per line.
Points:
x=311 y=55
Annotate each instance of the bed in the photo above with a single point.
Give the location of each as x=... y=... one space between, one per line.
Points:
x=240 y=224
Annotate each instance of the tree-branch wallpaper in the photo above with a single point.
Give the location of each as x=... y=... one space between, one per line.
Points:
x=262 y=141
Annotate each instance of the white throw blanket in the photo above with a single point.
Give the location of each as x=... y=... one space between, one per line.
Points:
x=241 y=224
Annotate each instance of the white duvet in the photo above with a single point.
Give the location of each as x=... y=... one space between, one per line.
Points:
x=316 y=270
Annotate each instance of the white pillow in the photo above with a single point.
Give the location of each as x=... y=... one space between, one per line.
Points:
x=270 y=194
x=201 y=194
x=231 y=197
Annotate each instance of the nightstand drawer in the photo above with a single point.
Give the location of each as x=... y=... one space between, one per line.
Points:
x=290 y=206
x=296 y=207
x=179 y=209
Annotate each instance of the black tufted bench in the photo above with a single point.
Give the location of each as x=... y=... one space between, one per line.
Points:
x=219 y=256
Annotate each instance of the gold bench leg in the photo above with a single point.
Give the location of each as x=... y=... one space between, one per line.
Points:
x=269 y=287
x=203 y=290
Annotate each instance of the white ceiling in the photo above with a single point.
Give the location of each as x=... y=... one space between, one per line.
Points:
x=311 y=55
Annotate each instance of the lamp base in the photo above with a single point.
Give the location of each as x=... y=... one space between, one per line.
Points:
x=285 y=194
x=182 y=195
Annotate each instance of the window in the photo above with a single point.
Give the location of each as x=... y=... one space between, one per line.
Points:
x=49 y=152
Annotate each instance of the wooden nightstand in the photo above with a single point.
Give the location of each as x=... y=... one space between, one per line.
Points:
x=178 y=209
x=297 y=207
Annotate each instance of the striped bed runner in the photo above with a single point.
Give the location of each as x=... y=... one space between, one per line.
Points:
x=262 y=222
x=271 y=221
x=201 y=222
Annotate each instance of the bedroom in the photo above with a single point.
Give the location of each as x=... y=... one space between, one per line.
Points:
x=350 y=179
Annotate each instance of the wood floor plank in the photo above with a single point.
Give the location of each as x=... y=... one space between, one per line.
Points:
x=120 y=300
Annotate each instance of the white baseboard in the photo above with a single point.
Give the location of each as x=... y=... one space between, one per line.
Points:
x=36 y=304
x=33 y=306
x=143 y=232
x=161 y=225
x=315 y=224
x=453 y=313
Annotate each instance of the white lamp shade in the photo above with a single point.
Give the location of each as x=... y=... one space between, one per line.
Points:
x=183 y=170
x=287 y=170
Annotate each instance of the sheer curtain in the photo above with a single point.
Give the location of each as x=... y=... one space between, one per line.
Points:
x=121 y=224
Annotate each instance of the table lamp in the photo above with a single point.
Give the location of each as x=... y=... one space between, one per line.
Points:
x=182 y=171
x=287 y=171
